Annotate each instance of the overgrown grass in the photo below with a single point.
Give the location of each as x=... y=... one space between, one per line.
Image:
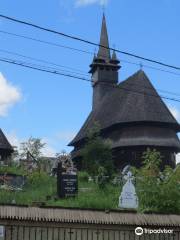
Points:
x=39 y=186
x=13 y=170
x=32 y=191
x=90 y=196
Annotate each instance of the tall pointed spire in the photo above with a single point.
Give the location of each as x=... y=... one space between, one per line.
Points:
x=104 y=53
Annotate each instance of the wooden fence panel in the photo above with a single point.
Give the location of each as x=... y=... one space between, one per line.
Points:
x=49 y=232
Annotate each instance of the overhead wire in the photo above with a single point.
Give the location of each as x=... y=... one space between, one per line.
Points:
x=47 y=62
x=45 y=42
x=44 y=69
x=74 y=72
x=79 y=50
x=84 y=51
x=40 y=68
x=87 y=41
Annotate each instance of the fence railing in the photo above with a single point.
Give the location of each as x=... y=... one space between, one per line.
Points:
x=24 y=232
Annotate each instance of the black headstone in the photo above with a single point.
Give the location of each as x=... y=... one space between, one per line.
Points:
x=67 y=184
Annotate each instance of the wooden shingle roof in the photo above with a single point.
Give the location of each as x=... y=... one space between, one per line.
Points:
x=135 y=100
x=86 y=216
x=4 y=143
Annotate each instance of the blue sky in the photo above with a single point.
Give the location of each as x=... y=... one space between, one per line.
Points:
x=54 y=107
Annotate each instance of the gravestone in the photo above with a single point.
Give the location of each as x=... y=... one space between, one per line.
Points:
x=67 y=183
x=2 y=230
x=13 y=180
x=128 y=197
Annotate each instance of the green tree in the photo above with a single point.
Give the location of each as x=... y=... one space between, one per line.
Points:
x=97 y=154
x=32 y=145
x=152 y=160
x=169 y=195
x=158 y=191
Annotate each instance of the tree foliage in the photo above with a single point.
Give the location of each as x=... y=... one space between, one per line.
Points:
x=32 y=145
x=151 y=161
x=97 y=154
x=158 y=191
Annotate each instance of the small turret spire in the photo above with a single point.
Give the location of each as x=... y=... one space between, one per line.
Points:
x=104 y=52
x=114 y=59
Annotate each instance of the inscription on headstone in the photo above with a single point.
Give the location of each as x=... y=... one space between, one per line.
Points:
x=67 y=183
x=128 y=197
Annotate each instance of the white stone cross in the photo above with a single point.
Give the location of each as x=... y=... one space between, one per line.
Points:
x=128 y=197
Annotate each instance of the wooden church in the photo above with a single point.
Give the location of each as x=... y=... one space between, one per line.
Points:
x=130 y=113
x=5 y=149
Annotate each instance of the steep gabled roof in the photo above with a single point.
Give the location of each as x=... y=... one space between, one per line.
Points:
x=135 y=100
x=4 y=144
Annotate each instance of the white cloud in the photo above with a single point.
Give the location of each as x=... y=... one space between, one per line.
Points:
x=175 y=112
x=53 y=144
x=13 y=139
x=80 y=3
x=9 y=95
x=48 y=150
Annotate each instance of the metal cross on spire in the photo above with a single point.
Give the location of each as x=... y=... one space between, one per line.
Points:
x=141 y=65
x=103 y=7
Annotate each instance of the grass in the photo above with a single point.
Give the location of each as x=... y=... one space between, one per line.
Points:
x=39 y=187
x=31 y=193
x=92 y=198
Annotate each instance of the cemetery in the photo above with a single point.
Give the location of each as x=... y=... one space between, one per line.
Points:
x=72 y=205
x=123 y=156
x=120 y=178
x=130 y=189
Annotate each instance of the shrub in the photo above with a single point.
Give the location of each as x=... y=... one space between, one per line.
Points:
x=13 y=170
x=158 y=191
x=38 y=178
x=102 y=179
x=97 y=153
x=83 y=176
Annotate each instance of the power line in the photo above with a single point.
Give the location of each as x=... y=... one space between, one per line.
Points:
x=151 y=67
x=87 y=41
x=46 y=42
x=54 y=64
x=83 y=51
x=44 y=61
x=42 y=69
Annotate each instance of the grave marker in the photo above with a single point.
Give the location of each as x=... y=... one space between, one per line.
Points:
x=67 y=183
x=128 y=197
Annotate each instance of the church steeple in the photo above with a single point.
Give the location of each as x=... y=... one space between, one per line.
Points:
x=104 y=68
x=104 y=52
